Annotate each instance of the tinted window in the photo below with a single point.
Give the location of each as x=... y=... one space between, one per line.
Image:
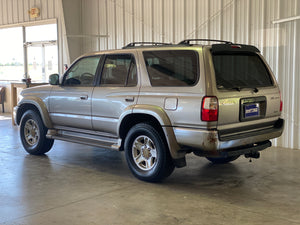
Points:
x=119 y=70
x=240 y=71
x=83 y=72
x=172 y=67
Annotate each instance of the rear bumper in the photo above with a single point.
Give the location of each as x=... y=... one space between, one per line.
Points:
x=241 y=150
x=213 y=143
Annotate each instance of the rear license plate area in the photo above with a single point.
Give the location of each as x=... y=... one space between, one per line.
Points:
x=252 y=108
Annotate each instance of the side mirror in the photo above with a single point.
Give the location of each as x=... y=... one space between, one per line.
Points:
x=54 y=79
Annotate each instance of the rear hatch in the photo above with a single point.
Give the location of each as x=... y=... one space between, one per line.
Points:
x=248 y=95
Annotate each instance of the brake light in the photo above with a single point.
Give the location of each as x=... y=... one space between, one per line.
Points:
x=236 y=46
x=209 y=110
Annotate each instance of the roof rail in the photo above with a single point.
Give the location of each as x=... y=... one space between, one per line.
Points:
x=187 y=41
x=134 y=44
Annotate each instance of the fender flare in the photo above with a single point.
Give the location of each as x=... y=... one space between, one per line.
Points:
x=40 y=105
x=161 y=116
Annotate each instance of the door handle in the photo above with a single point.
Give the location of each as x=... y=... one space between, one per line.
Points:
x=83 y=97
x=129 y=99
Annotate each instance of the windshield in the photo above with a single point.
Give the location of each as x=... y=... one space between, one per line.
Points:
x=240 y=70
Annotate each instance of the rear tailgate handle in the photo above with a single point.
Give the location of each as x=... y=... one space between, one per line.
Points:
x=83 y=97
x=129 y=99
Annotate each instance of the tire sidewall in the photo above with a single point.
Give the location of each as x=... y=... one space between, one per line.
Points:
x=30 y=114
x=156 y=172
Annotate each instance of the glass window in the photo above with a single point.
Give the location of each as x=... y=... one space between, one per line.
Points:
x=172 y=67
x=240 y=71
x=119 y=70
x=11 y=56
x=41 y=33
x=42 y=52
x=82 y=73
x=42 y=61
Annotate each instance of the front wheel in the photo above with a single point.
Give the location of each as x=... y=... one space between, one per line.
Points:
x=147 y=154
x=33 y=134
x=222 y=160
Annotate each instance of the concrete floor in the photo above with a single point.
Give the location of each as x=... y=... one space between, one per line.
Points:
x=76 y=184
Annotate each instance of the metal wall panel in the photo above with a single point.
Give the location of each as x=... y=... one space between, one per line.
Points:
x=16 y=11
x=242 y=21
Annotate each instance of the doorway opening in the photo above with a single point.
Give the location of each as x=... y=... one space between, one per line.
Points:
x=32 y=52
x=41 y=52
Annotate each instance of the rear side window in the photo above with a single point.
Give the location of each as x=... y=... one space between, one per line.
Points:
x=172 y=67
x=119 y=70
x=240 y=71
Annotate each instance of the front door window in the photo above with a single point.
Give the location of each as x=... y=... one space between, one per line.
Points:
x=82 y=73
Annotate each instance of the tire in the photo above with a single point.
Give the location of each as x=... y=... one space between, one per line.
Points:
x=147 y=154
x=33 y=134
x=223 y=160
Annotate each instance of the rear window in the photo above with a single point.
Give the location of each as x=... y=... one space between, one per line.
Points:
x=172 y=67
x=240 y=71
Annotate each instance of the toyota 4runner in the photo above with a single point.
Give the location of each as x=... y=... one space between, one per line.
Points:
x=158 y=102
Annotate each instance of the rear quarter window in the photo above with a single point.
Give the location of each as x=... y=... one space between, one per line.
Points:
x=172 y=67
x=241 y=70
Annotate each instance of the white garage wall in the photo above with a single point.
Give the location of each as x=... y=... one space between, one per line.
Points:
x=241 y=21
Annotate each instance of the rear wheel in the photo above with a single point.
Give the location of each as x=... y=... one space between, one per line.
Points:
x=147 y=154
x=222 y=160
x=33 y=134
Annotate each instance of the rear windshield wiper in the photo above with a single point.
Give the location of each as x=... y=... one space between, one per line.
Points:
x=236 y=88
x=229 y=88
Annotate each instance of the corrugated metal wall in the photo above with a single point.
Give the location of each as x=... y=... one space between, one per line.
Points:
x=14 y=12
x=109 y=24
x=242 y=21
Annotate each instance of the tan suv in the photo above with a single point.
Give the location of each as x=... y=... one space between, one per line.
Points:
x=158 y=102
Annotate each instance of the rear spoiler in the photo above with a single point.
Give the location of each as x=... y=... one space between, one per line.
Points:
x=222 y=48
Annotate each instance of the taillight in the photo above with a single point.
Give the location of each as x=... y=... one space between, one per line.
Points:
x=209 y=111
x=236 y=46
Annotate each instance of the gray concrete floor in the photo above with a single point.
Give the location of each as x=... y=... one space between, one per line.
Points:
x=76 y=184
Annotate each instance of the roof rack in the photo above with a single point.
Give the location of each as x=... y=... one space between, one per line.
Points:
x=187 y=41
x=134 y=44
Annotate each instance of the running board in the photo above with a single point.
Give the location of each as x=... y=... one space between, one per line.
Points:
x=86 y=139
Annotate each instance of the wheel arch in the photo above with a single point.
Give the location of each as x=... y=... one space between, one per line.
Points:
x=155 y=116
x=38 y=106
